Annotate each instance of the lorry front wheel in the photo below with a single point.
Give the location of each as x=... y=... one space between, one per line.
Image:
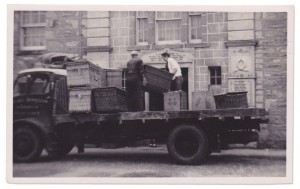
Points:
x=188 y=144
x=27 y=145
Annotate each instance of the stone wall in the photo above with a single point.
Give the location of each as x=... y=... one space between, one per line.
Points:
x=62 y=36
x=214 y=53
x=271 y=54
x=122 y=32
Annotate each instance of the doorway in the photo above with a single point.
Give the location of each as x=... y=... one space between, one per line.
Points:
x=156 y=100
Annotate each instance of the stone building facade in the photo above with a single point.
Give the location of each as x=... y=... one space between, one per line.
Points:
x=217 y=51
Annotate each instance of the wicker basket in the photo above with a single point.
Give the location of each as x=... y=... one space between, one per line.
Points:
x=80 y=99
x=157 y=80
x=83 y=74
x=231 y=100
x=110 y=99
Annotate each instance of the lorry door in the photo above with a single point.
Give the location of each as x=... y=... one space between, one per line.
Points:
x=32 y=96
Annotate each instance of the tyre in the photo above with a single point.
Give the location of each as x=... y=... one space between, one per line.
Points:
x=188 y=144
x=27 y=144
x=65 y=148
x=64 y=145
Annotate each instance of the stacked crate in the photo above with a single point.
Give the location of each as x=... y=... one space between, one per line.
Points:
x=82 y=77
x=92 y=89
x=175 y=101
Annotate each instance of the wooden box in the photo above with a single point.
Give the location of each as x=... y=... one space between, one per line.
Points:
x=80 y=99
x=114 y=77
x=80 y=74
x=175 y=101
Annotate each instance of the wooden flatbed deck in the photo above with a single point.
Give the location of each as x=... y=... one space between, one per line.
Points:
x=245 y=113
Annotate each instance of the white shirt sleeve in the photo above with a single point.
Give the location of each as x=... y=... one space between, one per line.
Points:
x=174 y=67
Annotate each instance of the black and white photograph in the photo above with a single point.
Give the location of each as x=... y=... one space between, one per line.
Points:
x=150 y=94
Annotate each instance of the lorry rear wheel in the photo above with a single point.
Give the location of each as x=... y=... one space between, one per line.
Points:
x=188 y=144
x=27 y=145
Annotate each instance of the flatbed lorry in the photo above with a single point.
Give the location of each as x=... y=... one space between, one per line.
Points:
x=41 y=121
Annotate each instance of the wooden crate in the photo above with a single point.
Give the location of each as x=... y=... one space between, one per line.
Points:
x=80 y=99
x=175 y=101
x=113 y=77
x=157 y=80
x=110 y=99
x=80 y=74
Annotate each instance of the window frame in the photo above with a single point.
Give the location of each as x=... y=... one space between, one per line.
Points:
x=23 y=26
x=156 y=29
x=215 y=77
x=190 y=15
x=137 y=27
x=124 y=79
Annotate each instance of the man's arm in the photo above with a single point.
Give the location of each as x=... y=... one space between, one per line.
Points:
x=172 y=67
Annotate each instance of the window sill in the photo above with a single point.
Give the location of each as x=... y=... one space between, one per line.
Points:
x=169 y=46
x=32 y=52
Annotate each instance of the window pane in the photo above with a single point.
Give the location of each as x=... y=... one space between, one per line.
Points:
x=218 y=70
x=215 y=75
x=196 y=27
x=26 y=18
x=168 y=30
x=219 y=81
x=42 y=17
x=142 y=30
x=212 y=81
x=33 y=31
x=35 y=18
x=193 y=33
x=39 y=84
x=20 y=87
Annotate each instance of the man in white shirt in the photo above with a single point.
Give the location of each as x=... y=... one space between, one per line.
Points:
x=173 y=67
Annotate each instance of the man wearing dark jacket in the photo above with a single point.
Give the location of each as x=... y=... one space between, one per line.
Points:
x=134 y=81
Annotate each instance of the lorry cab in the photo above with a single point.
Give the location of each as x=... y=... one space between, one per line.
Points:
x=36 y=93
x=39 y=93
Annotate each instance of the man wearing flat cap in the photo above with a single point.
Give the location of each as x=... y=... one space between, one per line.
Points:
x=173 y=67
x=134 y=81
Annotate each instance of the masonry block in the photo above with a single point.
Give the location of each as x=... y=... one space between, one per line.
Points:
x=241 y=25
x=210 y=17
x=220 y=53
x=99 y=22
x=98 y=41
x=97 y=32
x=219 y=17
x=223 y=27
x=241 y=35
x=206 y=53
x=274 y=15
x=240 y=15
x=213 y=28
x=97 y=14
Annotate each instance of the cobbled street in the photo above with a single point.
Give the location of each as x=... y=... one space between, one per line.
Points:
x=155 y=162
